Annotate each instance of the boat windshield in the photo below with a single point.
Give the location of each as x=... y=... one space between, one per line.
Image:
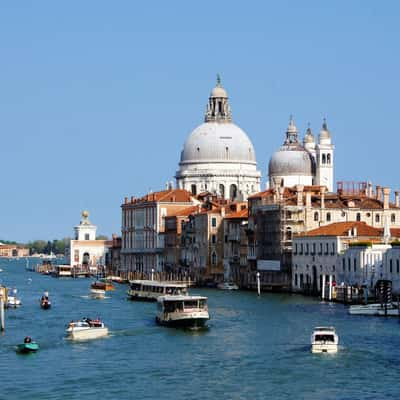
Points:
x=324 y=338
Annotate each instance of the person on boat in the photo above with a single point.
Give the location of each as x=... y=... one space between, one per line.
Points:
x=27 y=339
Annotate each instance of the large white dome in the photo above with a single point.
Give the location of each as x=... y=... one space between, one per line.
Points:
x=218 y=142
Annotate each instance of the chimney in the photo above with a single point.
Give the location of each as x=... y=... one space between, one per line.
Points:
x=132 y=199
x=126 y=200
x=370 y=190
x=299 y=190
x=322 y=190
x=378 y=193
x=280 y=192
x=396 y=198
x=308 y=199
x=386 y=195
x=223 y=212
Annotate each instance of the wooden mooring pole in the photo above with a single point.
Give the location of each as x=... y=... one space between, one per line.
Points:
x=2 y=322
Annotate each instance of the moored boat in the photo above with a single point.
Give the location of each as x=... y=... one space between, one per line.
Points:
x=375 y=309
x=227 y=286
x=182 y=311
x=324 y=340
x=148 y=290
x=86 y=329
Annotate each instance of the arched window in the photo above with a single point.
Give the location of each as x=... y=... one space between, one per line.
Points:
x=214 y=258
x=328 y=217
x=316 y=217
x=289 y=234
x=233 y=192
x=194 y=190
x=377 y=218
x=323 y=159
x=358 y=217
x=222 y=190
x=227 y=152
x=393 y=218
x=213 y=239
x=328 y=158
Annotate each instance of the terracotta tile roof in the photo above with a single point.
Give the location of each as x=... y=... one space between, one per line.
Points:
x=183 y=212
x=170 y=196
x=342 y=229
x=238 y=214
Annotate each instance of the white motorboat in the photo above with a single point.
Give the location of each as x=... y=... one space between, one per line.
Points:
x=97 y=293
x=227 y=286
x=86 y=329
x=13 y=302
x=148 y=290
x=324 y=340
x=375 y=309
x=182 y=311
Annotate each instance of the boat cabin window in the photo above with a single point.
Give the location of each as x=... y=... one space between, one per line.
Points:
x=191 y=304
x=324 y=338
x=171 y=306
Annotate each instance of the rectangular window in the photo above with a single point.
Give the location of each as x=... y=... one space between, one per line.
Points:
x=391 y=265
x=214 y=222
x=355 y=264
x=213 y=239
x=87 y=236
x=307 y=248
x=397 y=266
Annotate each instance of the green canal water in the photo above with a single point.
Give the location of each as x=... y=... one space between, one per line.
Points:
x=255 y=348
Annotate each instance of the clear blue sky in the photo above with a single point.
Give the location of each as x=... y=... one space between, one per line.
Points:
x=97 y=97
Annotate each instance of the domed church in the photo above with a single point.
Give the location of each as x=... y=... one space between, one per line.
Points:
x=218 y=156
x=306 y=164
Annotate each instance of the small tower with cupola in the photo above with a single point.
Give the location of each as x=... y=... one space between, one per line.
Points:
x=324 y=158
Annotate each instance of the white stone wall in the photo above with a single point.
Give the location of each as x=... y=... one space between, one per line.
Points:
x=314 y=257
x=209 y=177
x=291 y=180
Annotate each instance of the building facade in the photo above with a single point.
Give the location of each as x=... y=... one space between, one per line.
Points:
x=85 y=249
x=143 y=227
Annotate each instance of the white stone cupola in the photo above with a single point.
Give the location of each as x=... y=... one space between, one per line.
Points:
x=324 y=158
x=85 y=230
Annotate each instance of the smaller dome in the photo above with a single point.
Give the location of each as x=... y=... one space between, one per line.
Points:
x=293 y=160
x=218 y=91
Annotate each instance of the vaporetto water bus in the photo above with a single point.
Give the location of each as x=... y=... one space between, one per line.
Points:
x=182 y=311
x=148 y=290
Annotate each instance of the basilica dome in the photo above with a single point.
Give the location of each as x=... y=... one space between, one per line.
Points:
x=218 y=142
x=291 y=160
x=218 y=156
x=292 y=163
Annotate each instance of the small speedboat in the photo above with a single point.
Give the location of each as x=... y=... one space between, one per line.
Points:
x=86 y=329
x=227 y=286
x=28 y=346
x=97 y=293
x=102 y=285
x=324 y=340
x=13 y=302
x=45 y=302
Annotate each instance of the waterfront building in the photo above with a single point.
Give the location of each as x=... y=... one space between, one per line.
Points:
x=173 y=241
x=13 y=250
x=113 y=256
x=235 y=245
x=344 y=254
x=85 y=249
x=306 y=164
x=143 y=227
x=276 y=214
x=218 y=156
